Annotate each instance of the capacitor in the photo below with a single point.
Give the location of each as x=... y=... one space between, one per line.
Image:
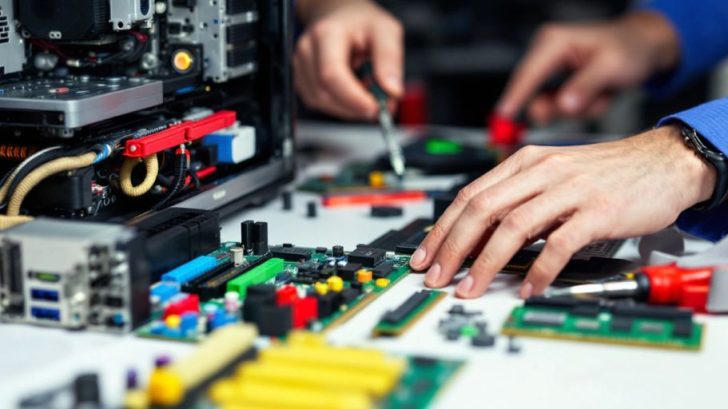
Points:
x=287 y=200
x=246 y=234
x=238 y=254
x=311 y=210
x=260 y=238
x=337 y=251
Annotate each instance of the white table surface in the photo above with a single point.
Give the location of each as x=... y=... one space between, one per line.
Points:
x=558 y=374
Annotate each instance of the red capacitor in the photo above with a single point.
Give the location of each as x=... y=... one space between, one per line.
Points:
x=286 y=295
x=505 y=131
x=305 y=310
x=191 y=303
x=674 y=285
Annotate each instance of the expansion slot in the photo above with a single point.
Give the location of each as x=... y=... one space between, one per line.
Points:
x=190 y=270
x=217 y=286
x=258 y=275
x=398 y=321
x=193 y=286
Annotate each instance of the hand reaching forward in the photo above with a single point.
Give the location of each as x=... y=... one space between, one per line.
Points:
x=571 y=197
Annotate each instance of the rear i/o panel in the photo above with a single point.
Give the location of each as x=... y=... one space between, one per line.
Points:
x=73 y=275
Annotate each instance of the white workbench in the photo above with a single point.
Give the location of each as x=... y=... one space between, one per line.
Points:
x=546 y=374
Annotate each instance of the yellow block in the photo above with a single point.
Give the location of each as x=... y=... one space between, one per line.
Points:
x=376 y=180
x=381 y=282
x=305 y=339
x=364 y=275
x=136 y=399
x=256 y=394
x=308 y=376
x=168 y=385
x=376 y=363
x=336 y=284
x=321 y=288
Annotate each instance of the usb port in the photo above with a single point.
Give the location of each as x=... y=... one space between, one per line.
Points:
x=44 y=295
x=51 y=314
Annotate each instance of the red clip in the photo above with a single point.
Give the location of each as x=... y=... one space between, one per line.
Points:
x=178 y=134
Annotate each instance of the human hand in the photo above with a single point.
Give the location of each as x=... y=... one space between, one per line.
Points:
x=571 y=197
x=602 y=58
x=340 y=35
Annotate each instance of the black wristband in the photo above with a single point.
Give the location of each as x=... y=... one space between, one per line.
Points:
x=717 y=159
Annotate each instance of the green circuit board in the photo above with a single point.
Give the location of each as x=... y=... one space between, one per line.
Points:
x=289 y=275
x=648 y=330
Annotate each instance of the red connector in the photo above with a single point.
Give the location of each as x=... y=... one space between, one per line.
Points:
x=178 y=134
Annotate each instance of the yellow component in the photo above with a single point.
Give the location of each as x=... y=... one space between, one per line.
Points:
x=168 y=385
x=373 y=362
x=309 y=376
x=305 y=339
x=336 y=284
x=166 y=388
x=256 y=394
x=376 y=180
x=182 y=61
x=223 y=391
x=321 y=288
x=364 y=276
x=381 y=282
x=173 y=321
x=136 y=399
x=151 y=164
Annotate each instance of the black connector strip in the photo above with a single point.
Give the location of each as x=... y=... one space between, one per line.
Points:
x=414 y=301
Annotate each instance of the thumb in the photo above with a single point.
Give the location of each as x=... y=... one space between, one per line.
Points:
x=387 y=59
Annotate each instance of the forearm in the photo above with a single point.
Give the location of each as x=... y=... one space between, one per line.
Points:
x=702 y=35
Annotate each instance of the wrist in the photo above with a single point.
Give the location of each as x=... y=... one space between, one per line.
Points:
x=698 y=177
x=657 y=35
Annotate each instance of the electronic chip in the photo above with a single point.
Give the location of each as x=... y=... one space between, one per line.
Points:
x=555 y=319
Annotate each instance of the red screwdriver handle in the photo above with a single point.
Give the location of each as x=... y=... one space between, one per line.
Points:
x=674 y=285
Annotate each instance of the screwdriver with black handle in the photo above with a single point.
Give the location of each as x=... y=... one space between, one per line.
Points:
x=396 y=157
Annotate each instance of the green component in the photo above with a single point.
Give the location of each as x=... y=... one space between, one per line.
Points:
x=437 y=146
x=653 y=333
x=413 y=391
x=389 y=329
x=469 y=331
x=258 y=275
x=47 y=277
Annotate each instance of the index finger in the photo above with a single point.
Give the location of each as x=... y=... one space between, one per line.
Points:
x=544 y=59
x=333 y=57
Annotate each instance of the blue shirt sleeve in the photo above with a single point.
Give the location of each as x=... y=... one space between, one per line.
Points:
x=702 y=29
x=711 y=121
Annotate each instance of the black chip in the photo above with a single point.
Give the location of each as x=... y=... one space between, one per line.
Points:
x=348 y=295
x=586 y=310
x=348 y=272
x=621 y=324
x=424 y=361
x=386 y=211
x=382 y=270
x=321 y=250
x=368 y=256
x=683 y=329
x=291 y=253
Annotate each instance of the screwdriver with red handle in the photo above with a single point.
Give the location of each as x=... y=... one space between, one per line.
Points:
x=666 y=284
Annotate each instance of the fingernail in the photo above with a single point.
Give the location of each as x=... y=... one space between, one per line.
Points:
x=433 y=274
x=570 y=102
x=466 y=285
x=394 y=83
x=418 y=257
x=526 y=290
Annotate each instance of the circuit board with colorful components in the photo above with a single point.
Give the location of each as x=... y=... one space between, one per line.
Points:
x=611 y=323
x=302 y=372
x=278 y=289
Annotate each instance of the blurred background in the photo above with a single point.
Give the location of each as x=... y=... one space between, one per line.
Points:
x=460 y=53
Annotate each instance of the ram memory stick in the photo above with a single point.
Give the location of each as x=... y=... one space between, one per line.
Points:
x=396 y=322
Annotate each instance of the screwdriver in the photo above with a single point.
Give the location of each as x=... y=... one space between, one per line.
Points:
x=667 y=284
x=396 y=157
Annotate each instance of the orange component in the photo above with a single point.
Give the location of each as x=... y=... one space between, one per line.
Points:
x=374 y=199
x=182 y=61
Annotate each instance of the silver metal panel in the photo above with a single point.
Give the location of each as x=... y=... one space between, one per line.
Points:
x=210 y=20
x=84 y=101
x=124 y=13
x=12 y=50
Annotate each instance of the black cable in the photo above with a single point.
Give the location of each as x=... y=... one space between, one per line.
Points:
x=195 y=178
x=180 y=169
